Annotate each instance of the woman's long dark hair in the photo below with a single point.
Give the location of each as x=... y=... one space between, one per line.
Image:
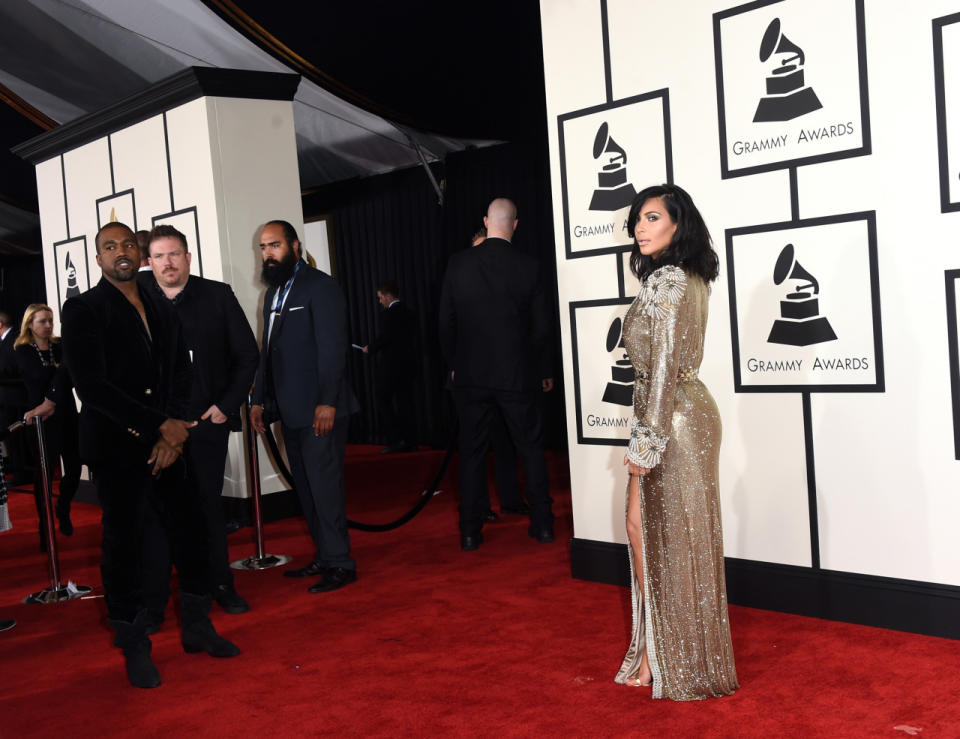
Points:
x=691 y=248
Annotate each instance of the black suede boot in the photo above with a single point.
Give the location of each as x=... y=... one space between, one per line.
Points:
x=198 y=634
x=133 y=640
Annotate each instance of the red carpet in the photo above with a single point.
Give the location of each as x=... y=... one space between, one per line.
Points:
x=435 y=642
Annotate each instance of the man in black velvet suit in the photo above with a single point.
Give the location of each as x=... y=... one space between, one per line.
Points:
x=494 y=328
x=302 y=381
x=124 y=350
x=223 y=356
x=395 y=375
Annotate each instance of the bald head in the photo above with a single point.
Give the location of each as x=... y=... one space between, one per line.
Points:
x=501 y=219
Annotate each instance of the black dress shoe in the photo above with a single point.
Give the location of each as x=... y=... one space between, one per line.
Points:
x=490 y=516
x=6 y=625
x=334 y=579
x=313 y=569
x=232 y=525
x=543 y=534
x=229 y=600
x=471 y=542
x=521 y=510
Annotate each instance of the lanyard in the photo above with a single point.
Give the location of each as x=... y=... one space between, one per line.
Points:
x=282 y=295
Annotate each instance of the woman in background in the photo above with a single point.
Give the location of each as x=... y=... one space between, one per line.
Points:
x=50 y=398
x=681 y=634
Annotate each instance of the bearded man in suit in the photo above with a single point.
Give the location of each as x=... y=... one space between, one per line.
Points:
x=302 y=382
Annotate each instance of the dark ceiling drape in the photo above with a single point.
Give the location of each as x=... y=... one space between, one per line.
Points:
x=392 y=226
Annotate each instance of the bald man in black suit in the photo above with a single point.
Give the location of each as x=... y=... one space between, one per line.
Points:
x=494 y=328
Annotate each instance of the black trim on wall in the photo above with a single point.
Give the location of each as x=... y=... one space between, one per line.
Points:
x=180 y=88
x=903 y=605
x=950 y=278
x=605 y=32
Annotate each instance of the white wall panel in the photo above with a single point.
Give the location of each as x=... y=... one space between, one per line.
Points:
x=885 y=467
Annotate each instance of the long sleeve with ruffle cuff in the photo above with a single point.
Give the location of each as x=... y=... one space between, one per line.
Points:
x=646 y=445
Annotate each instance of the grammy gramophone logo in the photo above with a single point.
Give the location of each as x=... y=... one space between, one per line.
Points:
x=613 y=191
x=800 y=322
x=620 y=388
x=788 y=96
x=73 y=288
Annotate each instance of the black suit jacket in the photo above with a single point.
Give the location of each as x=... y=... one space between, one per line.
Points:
x=494 y=320
x=396 y=342
x=45 y=382
x=128 y=383
x=304 y=363
x=223 y=350
x=12 y=393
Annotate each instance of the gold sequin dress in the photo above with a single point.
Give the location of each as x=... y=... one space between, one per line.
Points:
x=682 y=622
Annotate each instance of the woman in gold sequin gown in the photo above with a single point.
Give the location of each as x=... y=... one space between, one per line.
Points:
x=681 y=634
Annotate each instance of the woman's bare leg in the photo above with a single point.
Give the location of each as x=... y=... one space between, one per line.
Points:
x=635 y=534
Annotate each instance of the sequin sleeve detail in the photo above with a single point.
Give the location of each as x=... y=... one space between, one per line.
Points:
x=664 y=289
x=646 y=445
x=650 y=428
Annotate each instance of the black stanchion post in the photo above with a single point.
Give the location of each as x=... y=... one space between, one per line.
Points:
x=262 y=560
x=56 y=592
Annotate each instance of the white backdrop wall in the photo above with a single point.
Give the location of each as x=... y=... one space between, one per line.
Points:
x=873 y=459
x=216 y=168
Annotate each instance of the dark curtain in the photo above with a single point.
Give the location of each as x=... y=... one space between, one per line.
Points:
x=392 y=227
x=21 y=283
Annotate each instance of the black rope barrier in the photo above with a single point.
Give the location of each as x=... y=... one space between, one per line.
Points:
x=425 y=496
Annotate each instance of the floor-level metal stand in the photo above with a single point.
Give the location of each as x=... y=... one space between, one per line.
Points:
x=57 y=592
x=261 y=560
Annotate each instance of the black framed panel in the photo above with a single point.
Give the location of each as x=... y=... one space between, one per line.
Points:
x=946 y=73
x=607 y=153
x=118 y=207
x=72 y=268
x=602 y=373
x=791 y=84
x=805 y=305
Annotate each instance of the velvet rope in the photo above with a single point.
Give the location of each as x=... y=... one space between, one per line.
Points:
x=425 y=496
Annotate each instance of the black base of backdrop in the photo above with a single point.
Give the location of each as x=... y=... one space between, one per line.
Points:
x=393 y=226
x=903 y=605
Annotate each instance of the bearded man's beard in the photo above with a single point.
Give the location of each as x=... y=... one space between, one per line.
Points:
x=276 y=272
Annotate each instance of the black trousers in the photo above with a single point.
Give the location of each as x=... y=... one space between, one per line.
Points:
x=316 y=463
x=398 y=420
x=521 y=414
x=129 y=496
x=62 y=441
x=504 y=465
x=206 y=457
